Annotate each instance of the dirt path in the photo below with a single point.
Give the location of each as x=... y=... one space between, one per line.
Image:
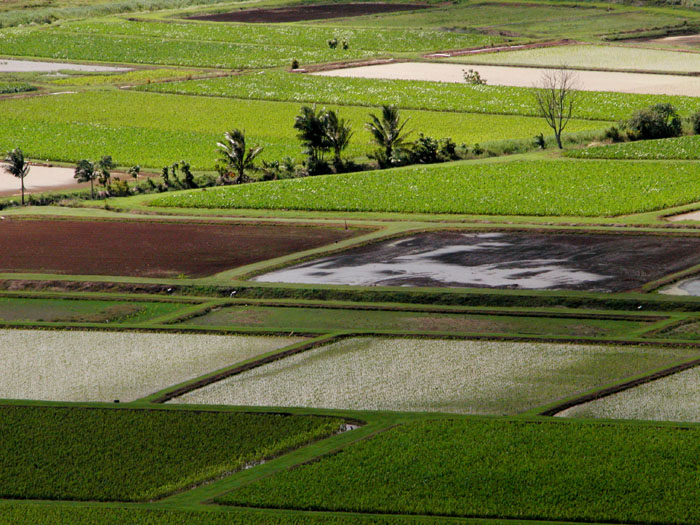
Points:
x=527 y=77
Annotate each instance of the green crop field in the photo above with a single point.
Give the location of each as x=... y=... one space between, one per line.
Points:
x=581 y=472
x=338 y=319
x=217 y=46
x=141 y=76
x=687 y=147
x=577 y=188
x=672 y=398
x=597 y=57
x=434 y=375
x=412 y=94
x=690 y=330
x=130 y=455
x=67 y=310
x=156 y=130
x=531 y=20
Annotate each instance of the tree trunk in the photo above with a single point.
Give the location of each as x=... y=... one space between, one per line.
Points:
x=558 y=136
x=22 y=179
x=92 y=189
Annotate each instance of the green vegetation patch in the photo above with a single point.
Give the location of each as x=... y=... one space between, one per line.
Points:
x=545 y=188
x=414 y=94
x=437 y=375
x=156 y=130
x=690 y=330
x=687 y=147
x=27 y=514
x=81 y=311
x=583 y=472
x=141 y=76
x=217 y=45
x=15 y=87
x=596 y=57
x=672 y=398
x=130 y=455
x=331 y=319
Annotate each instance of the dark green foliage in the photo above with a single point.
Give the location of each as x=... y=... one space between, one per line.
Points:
x=15 y=87
x=545 y=470
x=657 y=122
x=388 y=134
x=540 y=142
x=613 y=133
x=128 y=455
x=18 y=514
x=695 y=122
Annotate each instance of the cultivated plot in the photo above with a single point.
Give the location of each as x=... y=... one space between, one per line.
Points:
x=534 y=261
x=549 y=188
x=149 y=248
x=541 y=471
x=104 y=366
x=331 y=319
x=472 y=377
x=130 y=455
x=597 y=57
x=81 y=311
x=672 y=398
x=513 y=76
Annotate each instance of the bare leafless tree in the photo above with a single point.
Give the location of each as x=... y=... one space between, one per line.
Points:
x=555 y=98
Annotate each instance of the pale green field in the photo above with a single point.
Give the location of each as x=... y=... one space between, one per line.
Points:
x=673 y=398
x=103 y=366
x=432 y=375
x=595 y=57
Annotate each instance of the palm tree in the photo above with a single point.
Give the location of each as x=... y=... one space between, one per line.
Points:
x=312 y=133
x=85 y=171
x=17 y=166
x=387 y=133
x=235 y=156
x=338 y=134
x=104 y=166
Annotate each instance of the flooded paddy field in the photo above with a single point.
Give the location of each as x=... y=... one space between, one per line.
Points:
x=35 y=66
x=518 y=260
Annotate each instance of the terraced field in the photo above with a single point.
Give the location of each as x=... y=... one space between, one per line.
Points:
x=168 y=128
x=597 y=57
x=104 y=366
x=592 y=188
x=433 y=375
x=370 y=346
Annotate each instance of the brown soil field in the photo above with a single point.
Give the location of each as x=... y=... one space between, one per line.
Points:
x=148 y=248
x=309 y=12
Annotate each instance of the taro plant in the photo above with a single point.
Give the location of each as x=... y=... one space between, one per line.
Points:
x=17 y=166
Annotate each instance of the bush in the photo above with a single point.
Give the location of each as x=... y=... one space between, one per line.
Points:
x=295 y=63
x=448 y=149
x=657 y=122
x=474 y=78
x=425 y=150
x=613 y=133
x=695 y=122
x=119 y=188
x=540 y=142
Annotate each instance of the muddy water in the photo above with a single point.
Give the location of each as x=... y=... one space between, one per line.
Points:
x=532 y=261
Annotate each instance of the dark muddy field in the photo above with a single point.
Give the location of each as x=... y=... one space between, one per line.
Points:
x=149 y=248
x=309 y=12
x=534 y=261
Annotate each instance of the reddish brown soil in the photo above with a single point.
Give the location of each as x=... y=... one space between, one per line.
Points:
x=148 y=248
x=309 y=12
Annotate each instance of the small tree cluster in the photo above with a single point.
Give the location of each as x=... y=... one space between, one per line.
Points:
x=91 y=171
x=321 y=132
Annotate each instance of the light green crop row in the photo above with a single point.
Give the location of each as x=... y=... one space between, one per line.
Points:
x=546 y=188
x=155 y=130
x=217 y=46
x=675 y=148
x=140 y=76
x=277 y=85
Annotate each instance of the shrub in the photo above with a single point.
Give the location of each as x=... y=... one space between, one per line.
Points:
x=295 y=63
x=477 y=149
x=613 y=133
x=119 y=188
x=695 y=122
x=474 y=78
x=540 y=142
x=448 y=149
x=425 y=150
x=657 y=122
